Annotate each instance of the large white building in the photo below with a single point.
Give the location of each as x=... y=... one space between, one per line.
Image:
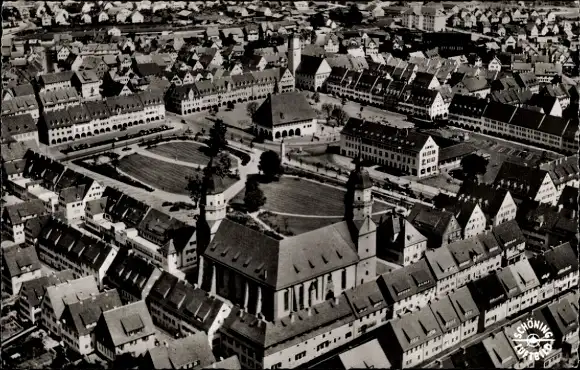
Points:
x=409 y=151
x=98 y=117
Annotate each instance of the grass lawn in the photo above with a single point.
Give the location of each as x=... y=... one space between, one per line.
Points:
x=303 y=197
x=160 y=174
x=292 y=225
x=182 y=150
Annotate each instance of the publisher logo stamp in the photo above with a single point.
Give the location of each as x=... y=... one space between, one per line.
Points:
x=533 y=340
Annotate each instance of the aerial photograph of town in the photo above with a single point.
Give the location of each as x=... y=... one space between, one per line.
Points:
x=290 y=184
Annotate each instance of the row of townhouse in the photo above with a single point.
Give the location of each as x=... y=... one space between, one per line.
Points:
x=97 y=117
x=521 y=124
x=203 y=95
x=447 y=320
x=407 y=150
x=500 y=350
x=379 y=89
x=63 y=191
x=89 y=321
x=451 y=267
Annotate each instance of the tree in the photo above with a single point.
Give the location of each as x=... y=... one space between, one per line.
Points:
x=252 y=108
x=217 y=138
x=340 y=115
x=270 y=164
x=327 y=108
x=354 y=16
x=317 y=20
x=222 y=166
x=473 y=165
x=195 y=188
x=254 y=197
x=316 y=97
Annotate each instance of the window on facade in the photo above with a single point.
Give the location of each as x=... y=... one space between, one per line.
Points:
x=343 y=279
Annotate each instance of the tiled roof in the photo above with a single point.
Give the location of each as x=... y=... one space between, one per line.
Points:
x=366 y=299
x=487 y=291
x=17 y=125
x=20 y=259
x=463 y=303
x=58 y=77
x=35 y=289
x=13 y=151
x=81 y=316
x=69 y=292
x=407 y=281
x=19 y=104
x=60 y=96
x=124 y=104
x=441 y=262
x=17 y=213
x=127 y=323
x=291 y=330
x=369 y=355
x=429 y=220
x=522 y=181
x=57 y=119
x=192 y=305
x=387 y=135
x=445 y=314
x=414 y=329
x=285 y=108
x=499 y=350
x=396 y=226
x=193 y=350
x=286 y=262
x=85 y=251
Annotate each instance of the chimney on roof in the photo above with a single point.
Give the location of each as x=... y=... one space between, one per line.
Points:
x=336 y=300
x=560 y=206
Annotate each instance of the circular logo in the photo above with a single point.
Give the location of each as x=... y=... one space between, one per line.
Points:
x=533 y=340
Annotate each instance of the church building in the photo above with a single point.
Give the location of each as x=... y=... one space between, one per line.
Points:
x=273 y=278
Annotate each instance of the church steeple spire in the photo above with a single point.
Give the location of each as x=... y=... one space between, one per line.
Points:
x=358 y=197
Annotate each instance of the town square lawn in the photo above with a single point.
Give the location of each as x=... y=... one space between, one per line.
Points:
x=298 y=196
x=184 y=151
x=161 y=175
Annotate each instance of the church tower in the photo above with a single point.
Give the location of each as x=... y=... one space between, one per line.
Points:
x=294 y=53
x=358 y=212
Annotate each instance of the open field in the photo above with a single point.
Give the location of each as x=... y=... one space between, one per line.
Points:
x=302 y=197
x=293 y=225
x=162 y=175
x=182 y=151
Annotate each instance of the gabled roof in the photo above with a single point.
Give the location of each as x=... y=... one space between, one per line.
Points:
x=16 y=214
x=282 y=263
x=131 y=273
x=69 y=292
x=20 y=259
x=82 y=316
x=192 y=305
x=521 y=181
x=193 y=350
x=406 y=281
x=34 y=290
x=291 y=330
x=127 y=323
x=463 y=303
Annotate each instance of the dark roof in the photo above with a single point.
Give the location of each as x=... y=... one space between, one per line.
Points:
x=98 y=109
x=465 y=105
x=522 y=181
x=555 y=263
x=148 y=69
x=563 y=315
x=487 y=292
x=35 y=289
x=16 y=125
x=282 y=263
x=429 y=220
x=490 y=198
x=193 y=350
x=169 y=232
x=191 y=304
x=554 y=125
x=52 y=78
x=286 y=108
x=527 y=118
x=407 y=281
x=126 y=209
x=465 y=307
x=408 y=139
x=20 y=259
x=459 y=150
x=57 y=118
x=499 y=112
x=508 y=234
x=124 y=104
x=18 y=213
x=569 y=198
x=131 y=273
